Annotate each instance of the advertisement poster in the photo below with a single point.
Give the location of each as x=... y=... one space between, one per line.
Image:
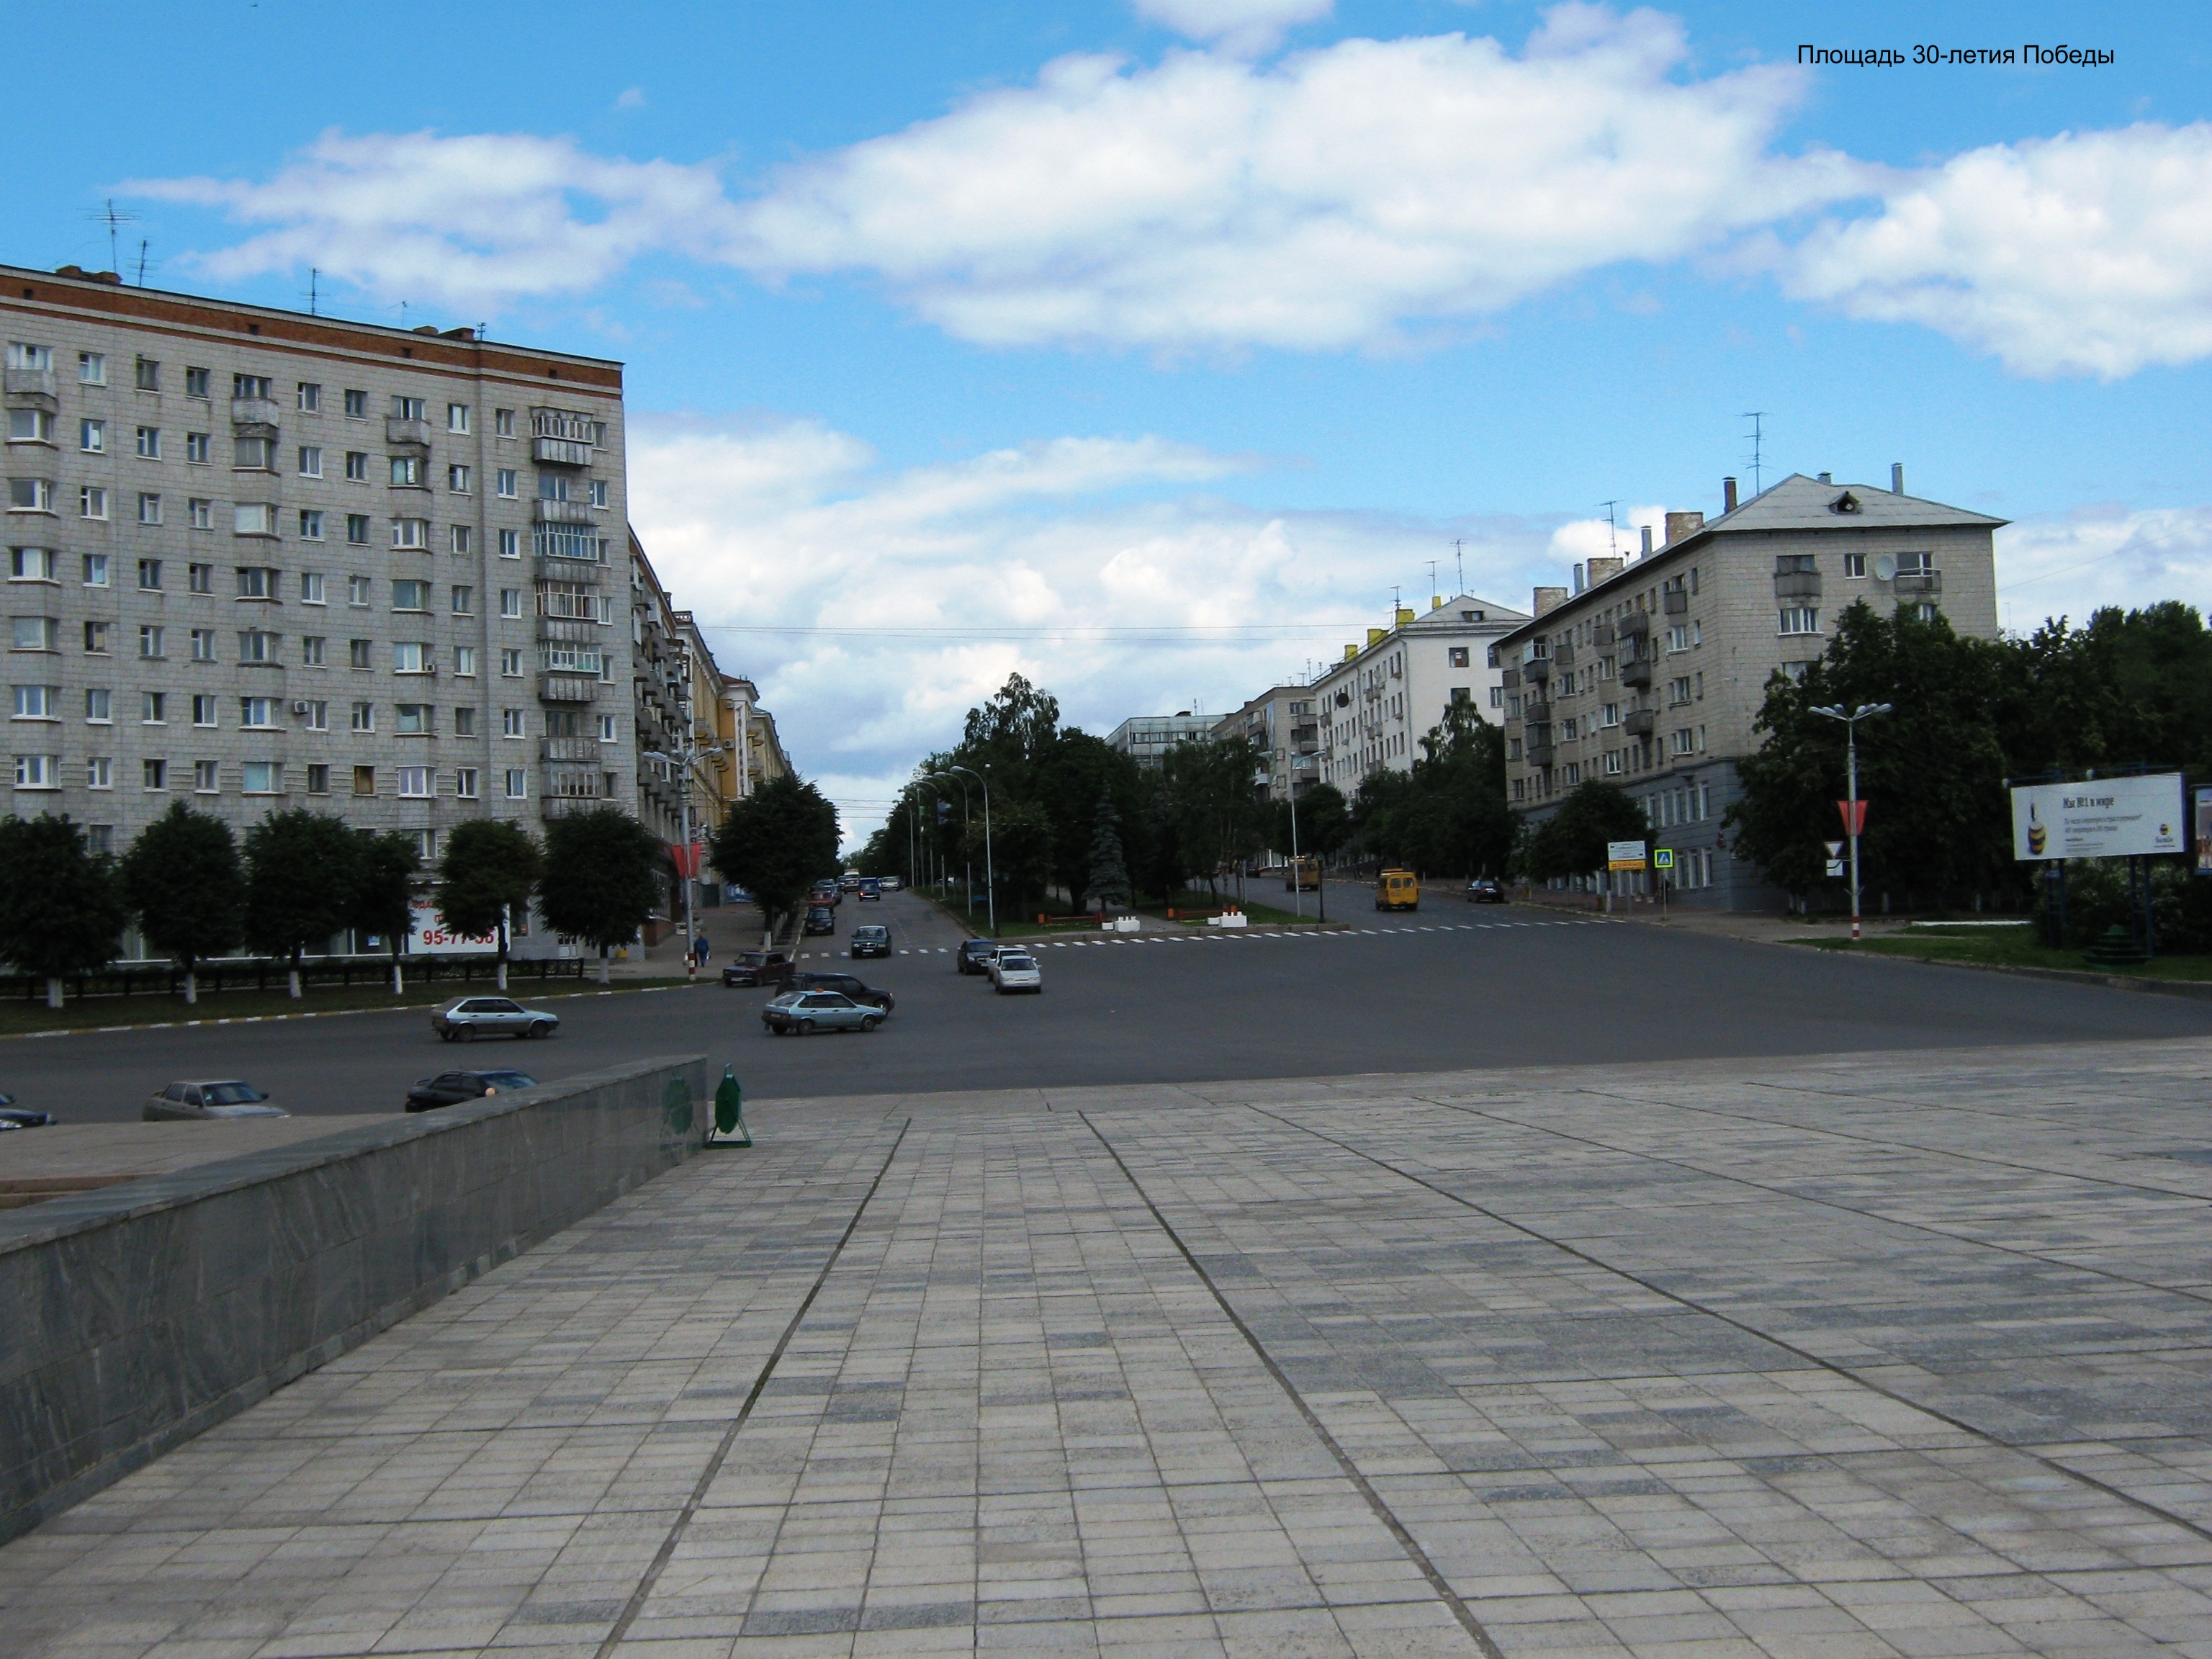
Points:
x=2205 y=832
x=433 y=939
x=2104 y=818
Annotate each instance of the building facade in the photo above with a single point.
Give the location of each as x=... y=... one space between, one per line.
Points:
x=1377 y=705
x=1146 y=737
x=1651 y=673
x=260 y=560
x=1281 y=723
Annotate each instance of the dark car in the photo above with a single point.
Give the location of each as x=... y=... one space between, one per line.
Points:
x=871 y=889
x=826 y=892
x=871 y=940
x=1486 y=891
x=13 y=1116
x=846 y=985
x=821 y=919
x=760 y=968
x=975 y=955
x=451 y=1088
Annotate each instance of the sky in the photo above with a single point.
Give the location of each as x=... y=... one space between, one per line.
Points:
x=1149 y=348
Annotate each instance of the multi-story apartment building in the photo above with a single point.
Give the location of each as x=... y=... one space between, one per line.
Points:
x=1281 y=723
x=1651 y=673
x=1146 y=737
x=1377 y=704
x=259 y=560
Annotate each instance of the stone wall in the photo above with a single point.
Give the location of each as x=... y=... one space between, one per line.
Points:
x=134 y=1317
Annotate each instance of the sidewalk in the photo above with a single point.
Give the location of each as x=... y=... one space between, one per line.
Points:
x=1758 y=927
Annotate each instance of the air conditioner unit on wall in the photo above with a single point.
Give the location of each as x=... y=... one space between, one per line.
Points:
x=299 y=707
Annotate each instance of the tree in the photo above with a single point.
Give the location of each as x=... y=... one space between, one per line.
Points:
x=1107 y=879
x=1215 y=801
x=61 y=907
x=182 y=879
x=1572 y=841
x=1459 y=822
x=383 y=901
x=775 y=844
x=602 y=876
x=489 y=871
x=300 y=870
x=1324 y=822
x=1017 y=849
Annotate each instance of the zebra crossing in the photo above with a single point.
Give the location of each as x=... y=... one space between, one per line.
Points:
x=1243 y=936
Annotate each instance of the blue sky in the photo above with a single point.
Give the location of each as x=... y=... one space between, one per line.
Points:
x=1021 y=322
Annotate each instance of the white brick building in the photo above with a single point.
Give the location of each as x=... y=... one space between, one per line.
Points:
x=1377 y=705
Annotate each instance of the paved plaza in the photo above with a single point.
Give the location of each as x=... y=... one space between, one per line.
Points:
x=1892 y=1354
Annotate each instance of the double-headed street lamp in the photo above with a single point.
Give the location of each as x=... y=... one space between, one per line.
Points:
x=990 y=879
x=1852 y=810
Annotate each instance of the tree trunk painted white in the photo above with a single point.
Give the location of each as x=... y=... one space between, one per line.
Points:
x=53 y=990
x=291 y=981
x=192 y=987
x=399 y=978
x=606 y=968
x=502 y=973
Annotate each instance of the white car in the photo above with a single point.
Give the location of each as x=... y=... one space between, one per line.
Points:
x=1013 y=969
x=889 y=883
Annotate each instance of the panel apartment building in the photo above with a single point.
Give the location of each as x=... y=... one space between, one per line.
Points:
x=260 y=560
x=1377 y=705
x=1651 y=673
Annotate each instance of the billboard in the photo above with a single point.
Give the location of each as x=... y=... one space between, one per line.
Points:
x=2105 y=818
x=432 y=938
x=2205 y=832
x=1624 y=856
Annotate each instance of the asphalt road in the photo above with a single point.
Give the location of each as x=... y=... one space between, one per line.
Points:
x=1447 y=988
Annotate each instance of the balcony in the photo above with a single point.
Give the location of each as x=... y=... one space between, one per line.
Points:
x=1636 y=673
x=1639 y=723
x=33 y=384
x=1675 y=602
x=1510 y=679
x=568 y=688
x=1538 y=754
x=398 y=430
x=1929 y=582
x=1537 y=670
x=568 y=570
x=1601 y=634
x=570 y=748
x=1564 y=655
x=569 y=630
x=254 y=416
x=544 y=511
x=1798 y=584
x=1634 y=626
x=560 y=452
x=1536 y=710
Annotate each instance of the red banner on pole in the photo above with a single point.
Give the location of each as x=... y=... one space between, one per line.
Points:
x=688 y=859
x=1854 y=813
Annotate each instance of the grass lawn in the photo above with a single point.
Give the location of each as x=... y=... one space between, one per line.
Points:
x=20 y=1018
x=2012 y=946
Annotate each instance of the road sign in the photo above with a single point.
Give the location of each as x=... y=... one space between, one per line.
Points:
x=1663 y=858
x=1835 y=866
x=1835 y=849
x=1624 y=856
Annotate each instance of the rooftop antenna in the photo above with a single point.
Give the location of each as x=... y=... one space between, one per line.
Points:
x=1397 y=603
x=1757 y=417
x=1432 y=575
x=1612 y=529
x=1459 y=559
x=142 y=262
x=314 y=290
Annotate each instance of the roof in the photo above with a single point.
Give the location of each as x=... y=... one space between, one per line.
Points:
x=1443 y=618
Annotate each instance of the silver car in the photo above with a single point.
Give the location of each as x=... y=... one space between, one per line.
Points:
x=1011 y=968
x=195 y=1101
x=474 y=1017
x=809 y=1011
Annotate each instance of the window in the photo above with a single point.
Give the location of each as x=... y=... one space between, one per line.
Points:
x=357 y=466
x=258 y=582
x=34 y=634
x=406 y=409
x=250 y=385
x=364 y=779
x=1916 y=564
x=257 y=711
x=464 y=782
x=1678 y=691
x=255 y=646
x=503 y=422
x=311 y=587
x=30 y=426
x=356 y=405
x=1613 y=763
x=316 y=717
x=465 y=661
x=99 y=706
x=1924 y=612
x=357 y=588
x=153 y=708
x=196 y=448
x=200 y=578
x=38 y=703
x=201 y=512
x=465 y=722
x=95 y=570
x=154 y=775
x=204 y=778
x=38 y=772
x=364 y=717
x=457 y=417
x=357 y=529
x=517 y=783
x=256 y=519
x=507 y=481
x=407 y=472
x=411 y=596
x=510 y=601
x=599 y=489
x=1855 y=564
x=426 y=844
x=465 y=601
x=463 y=542
x=410 y=656
x=149 y=642
x=319 y=779
x=606 y=728
x=1801 y=619
x=311 y=524
x=30 y=494
x=99 y=774
x=195 y=383
x=91 y=503
x=411 y=532
x=150 y=508
x=92 y=369
x=261 y=778
x=203 y=711
x=92 y=437
x=31 y=564
x=311 y=461
x=360 y=653
x=510 y=544
x=415 y=783
x=96 y=638
x=312 y=647
x=510 y=723
x=552 y=486
x=149 y=374
x=254 y=454
x=1685 y=741
x=510 y=665
x=412 y=720
x=149 y=442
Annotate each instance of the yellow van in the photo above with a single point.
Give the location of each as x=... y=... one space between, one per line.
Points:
x=1302 y=875
x=1397 y=890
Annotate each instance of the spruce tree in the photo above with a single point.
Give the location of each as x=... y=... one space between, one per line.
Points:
x=1110 y=870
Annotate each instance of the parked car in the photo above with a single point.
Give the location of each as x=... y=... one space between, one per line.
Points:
x=13 y=1116
x=760 y=968
x=195 y=1101
x=820 y=919
x=1486 y=890
x=871 y=889
x=809 y=1011
x=451 y=1088
x=847 y=985
x=1013 y=969
x=474 y=1017
x=889 y=883
x=870 y=941
x=974 y=954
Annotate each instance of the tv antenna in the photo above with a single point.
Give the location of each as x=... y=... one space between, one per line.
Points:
x=1459 y=561
x=114 y=220
x=1397 y=603
x=1432 y=575
x=1757 y=418
x=142 y=261
x=314 y=290
x=1612 y=529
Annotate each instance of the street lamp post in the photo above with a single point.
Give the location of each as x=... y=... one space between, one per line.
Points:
x=990 y=879
x=683 y=757
x=968 y=880
x=1852 y=813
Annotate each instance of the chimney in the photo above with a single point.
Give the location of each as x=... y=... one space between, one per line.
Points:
x=1435 y=601
x=1682 y=525
x=1376 y=634
x=1605 y=569
x=1896 y=477
x=1580 y=581
x=1825 y=478
x=1727 y=494
x=1549 y=598
x=1405 y=614
x=1647 y=541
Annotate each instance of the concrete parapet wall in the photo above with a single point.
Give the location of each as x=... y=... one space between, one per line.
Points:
x=136 y=1316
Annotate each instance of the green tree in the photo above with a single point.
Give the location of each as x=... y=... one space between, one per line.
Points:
x=1460 y=824
x=490 y=869
x=182 y=879
x=601 y=878
x=1217 y=801
x=300 y=869
x=1018 y=850
x=61 y=907
x=1572 y=841
x=775 y=844
x=383 y=901
x=1325 y=826
x=1108 y=877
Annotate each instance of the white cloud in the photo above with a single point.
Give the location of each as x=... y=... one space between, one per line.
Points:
x=2072 y=564
x=1320 y=202
x=789 y=525
x=1237 y=25
x=2087 y=254
x=469 y=220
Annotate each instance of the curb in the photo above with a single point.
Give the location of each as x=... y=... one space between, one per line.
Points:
x=2190 y=990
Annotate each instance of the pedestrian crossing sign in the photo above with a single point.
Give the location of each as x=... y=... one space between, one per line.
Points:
x=1663 y=858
